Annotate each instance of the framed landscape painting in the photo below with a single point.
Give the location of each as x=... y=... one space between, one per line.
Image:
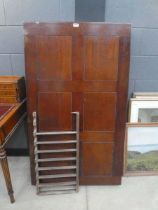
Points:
x=141 y=149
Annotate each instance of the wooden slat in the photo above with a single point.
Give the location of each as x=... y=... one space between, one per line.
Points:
x=57 y=142
x=57 y=184
x=55 y=159
x=55 y=133
x=57 y=188
x=55 y=151
x=56 y=176
x=55 y=168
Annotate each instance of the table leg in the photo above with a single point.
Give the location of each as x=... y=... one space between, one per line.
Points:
x=5 y=169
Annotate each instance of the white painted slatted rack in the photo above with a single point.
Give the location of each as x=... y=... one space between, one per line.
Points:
x=63 y=186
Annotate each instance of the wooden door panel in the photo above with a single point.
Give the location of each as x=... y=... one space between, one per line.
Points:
x=54 y=111
x=96 y=159
x=99 y=111
x=81 y=69
x=101 y=58
x=58 y=50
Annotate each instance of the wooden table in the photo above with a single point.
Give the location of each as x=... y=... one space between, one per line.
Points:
x=11 y=115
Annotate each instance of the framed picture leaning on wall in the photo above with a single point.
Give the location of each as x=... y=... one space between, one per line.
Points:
x=143 y=111
x=141 y=149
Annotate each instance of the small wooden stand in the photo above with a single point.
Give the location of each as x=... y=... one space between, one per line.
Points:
x=12 y=113
x=8 y=124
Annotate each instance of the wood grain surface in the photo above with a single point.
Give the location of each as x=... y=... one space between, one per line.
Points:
x=82 y=69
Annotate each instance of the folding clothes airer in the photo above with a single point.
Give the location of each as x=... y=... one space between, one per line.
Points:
x=53 y=182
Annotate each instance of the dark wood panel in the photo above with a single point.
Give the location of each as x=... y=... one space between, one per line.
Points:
x=31 y=90
x=100 y=56
x=58 y=115
x=122 y=95
x=99 y=111
x=96 y=159
x=59 y=49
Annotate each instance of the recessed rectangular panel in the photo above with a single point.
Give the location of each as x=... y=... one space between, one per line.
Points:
x=99 y=111
x=101 y=58
x=96 y=159
x=54 y=111
x=54 y=54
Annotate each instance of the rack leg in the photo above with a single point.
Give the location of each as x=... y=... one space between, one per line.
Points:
x=6 y=173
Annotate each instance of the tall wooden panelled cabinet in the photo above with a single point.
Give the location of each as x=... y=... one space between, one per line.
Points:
x=81 y=67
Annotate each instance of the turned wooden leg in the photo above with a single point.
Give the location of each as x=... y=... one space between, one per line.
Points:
x=5 y=169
